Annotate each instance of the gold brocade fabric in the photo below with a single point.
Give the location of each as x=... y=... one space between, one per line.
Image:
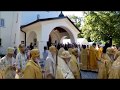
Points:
x=117 y=54
x=115 y=69
x=32 y=71
x=93 y=65
x=7 y=71
x=74 y=67
x=99 y=53
x=104 y=67
x=84 y=59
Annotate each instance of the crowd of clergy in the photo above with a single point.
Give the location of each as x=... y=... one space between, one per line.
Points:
x=62 y=63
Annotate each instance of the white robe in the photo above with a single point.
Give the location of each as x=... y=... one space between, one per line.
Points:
x=63 y=70
x=50 y=64
x=21 y=61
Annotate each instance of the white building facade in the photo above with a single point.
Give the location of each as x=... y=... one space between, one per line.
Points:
x=9 y=30
x=10 y=22
x=40 y=30
x=43 y=29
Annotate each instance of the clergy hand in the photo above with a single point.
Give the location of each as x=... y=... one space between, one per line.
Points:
x=18 y=70
x=105 y=61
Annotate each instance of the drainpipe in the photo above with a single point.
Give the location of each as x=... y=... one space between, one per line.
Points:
x=25 y=35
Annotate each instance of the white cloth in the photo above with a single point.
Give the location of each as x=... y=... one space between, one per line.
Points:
x=64 y=69
x=4 y=62
x=50 y=64
x=21 y=60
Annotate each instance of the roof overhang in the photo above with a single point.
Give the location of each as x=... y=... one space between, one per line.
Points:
x=48 y=19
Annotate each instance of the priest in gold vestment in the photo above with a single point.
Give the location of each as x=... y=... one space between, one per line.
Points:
x=33 y=69
x=84 y=58
x=115 y=68
x=8 y=65
x=93 y=64
x=105 y=64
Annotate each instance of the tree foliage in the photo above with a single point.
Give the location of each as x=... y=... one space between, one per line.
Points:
x=77 y=21
x=102 y=25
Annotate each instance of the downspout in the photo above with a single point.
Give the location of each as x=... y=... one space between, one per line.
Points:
x=25 y=35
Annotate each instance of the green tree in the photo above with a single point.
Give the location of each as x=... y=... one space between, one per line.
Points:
x=102 y=25
x=77 y=21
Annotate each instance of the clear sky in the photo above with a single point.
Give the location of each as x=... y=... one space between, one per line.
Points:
x=30 y=16
x=76 y=13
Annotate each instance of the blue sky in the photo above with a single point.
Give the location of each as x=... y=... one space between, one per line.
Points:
x=29 y=16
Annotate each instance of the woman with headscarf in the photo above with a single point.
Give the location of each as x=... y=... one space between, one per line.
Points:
x=105 y=64
x=8 y=65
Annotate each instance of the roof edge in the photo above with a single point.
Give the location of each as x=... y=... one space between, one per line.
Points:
x=49 y=19
x=45 y=19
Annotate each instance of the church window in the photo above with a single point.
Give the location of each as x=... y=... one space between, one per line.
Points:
x=2 y=22
x=0 y=41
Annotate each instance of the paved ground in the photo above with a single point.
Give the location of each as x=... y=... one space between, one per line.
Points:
x=88 y=75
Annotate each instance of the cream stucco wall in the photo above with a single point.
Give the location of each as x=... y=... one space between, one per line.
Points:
x=48 y=26
x=36 y=28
